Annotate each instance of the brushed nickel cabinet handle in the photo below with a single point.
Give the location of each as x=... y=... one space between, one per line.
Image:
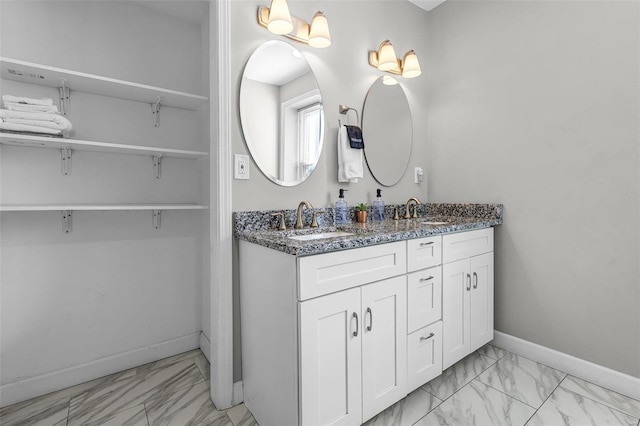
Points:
x=355 y=333
x=475 y=280
x=428 y=337
x=426 y=244
x=370 y=326
x=468 y=282
x=426 y=279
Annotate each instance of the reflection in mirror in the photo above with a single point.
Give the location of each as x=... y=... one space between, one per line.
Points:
x=281 y=113
x=387 y=132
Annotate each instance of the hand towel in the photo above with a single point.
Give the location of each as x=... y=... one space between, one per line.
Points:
x=13 y=106
x=24 y=100
x=349 y=159
x=26 y=128
x=62 y=122
x=355 y=137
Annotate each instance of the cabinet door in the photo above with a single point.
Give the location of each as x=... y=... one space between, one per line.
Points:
x=384 y=345
x=330 y=359
x=481 y=300
x=456 y=296
x=424 y=355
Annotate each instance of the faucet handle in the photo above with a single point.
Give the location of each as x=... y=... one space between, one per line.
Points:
x=415 y=212
x=314 y=220
x=395 y=214
x=282 y=226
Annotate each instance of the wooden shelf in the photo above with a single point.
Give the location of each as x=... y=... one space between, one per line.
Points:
x=28 y=72
x=77 y=144
x=97 y=207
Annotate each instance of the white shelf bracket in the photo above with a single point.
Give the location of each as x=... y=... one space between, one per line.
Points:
x=64 y=92
x=157 y=163
x=65 y=154
x=155 y=111
x=66 y=221
x=155 y=218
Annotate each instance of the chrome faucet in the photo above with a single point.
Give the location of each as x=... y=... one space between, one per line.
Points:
x=299 y=224
x=415 y=208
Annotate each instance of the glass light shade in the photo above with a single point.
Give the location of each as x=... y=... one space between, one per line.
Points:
x=319 y=31
x=410 y=65
x=387 y=80
x=386 y=56
x=279 y=18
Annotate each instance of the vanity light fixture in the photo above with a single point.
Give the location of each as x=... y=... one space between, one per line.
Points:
x=278 y=20
x=385 y=60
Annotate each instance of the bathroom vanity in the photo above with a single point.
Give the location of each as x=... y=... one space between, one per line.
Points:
x=335 y=330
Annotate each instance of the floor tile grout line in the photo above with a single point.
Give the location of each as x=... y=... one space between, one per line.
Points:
x=607 y=389
x=547 y=398
x=599 y=403
x=506 y=394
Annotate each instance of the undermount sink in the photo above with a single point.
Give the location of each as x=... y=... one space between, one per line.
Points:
x=433 y=223
x=321 y=235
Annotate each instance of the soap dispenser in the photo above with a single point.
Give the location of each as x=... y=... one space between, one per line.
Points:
x=378 y=207
x=341 y=211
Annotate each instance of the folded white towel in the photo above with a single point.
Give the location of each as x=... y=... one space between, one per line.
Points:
x=349 y=160
x=13 y=106
x=26 y=128
x=62 y=122
x=24 y=100
x=39 y=123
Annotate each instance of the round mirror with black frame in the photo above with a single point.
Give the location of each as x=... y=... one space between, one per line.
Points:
x=387 y=131
x=281 y=113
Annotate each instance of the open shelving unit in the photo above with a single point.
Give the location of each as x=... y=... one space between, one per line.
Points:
x=68 y=80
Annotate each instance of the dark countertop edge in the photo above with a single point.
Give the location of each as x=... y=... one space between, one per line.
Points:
x=358 y=240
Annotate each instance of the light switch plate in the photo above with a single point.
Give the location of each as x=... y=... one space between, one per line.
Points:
x=241 y=166
x=418 y=175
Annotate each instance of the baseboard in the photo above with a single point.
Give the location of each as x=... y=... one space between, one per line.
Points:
x=205 y=346
x=594 y=373
x=238 y=393
x=31 y=387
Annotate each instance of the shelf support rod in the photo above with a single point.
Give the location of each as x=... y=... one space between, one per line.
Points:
x=157 y=163
x=64 y=92
x=67 y=224
x=65 y=154
x=155 y=111
x=155 y=218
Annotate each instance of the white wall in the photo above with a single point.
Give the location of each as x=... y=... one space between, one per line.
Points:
x=344 y=77
x=536 y=105
x=115 y=292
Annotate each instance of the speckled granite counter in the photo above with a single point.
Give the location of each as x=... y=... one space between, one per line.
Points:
x=257 y=227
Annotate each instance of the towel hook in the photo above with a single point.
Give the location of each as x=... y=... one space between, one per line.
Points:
x=343 y=109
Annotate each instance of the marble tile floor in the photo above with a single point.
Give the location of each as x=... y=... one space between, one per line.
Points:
x=489 y=387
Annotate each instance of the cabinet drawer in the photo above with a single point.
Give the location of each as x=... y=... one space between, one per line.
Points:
x=424 y=295
x=424 y=253
x=330 y=272
x=424 y=355
x=466 y=244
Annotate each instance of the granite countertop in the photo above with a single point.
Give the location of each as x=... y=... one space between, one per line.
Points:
x=251 y=227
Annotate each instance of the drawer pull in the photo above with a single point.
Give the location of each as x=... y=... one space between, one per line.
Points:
x=475 y=280
x=355 y=333
x=468 y=282
x=370 y=326
x=426 y=244
x=426 y=279
x=428 y=337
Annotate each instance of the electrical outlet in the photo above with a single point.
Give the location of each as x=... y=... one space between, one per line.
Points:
x=241 y=166
x=418 y=175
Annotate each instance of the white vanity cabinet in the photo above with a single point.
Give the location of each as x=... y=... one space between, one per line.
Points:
x=467 y=293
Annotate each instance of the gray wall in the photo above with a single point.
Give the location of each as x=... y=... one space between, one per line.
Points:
x=536 y=105
x=344 y=76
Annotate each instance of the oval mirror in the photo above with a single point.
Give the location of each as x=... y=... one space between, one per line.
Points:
x=281 y=113
x=387 y=131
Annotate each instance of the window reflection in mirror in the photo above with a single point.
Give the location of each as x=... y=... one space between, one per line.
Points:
x=281 y=113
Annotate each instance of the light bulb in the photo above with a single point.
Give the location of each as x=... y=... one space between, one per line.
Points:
x=386 y=56
x=279 y=18
x=319 y=31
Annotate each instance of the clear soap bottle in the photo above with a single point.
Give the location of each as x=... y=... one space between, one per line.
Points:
x=341 y=210
x=378 y=207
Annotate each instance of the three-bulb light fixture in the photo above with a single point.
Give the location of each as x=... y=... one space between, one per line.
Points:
x=278 y=20
x=385 y=60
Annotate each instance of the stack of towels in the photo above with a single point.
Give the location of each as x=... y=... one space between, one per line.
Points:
x=32 y=116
